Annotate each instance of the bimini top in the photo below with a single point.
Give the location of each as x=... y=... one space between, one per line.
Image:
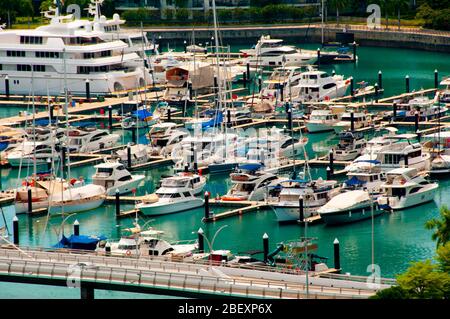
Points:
x=250 y=166
x=142 y=114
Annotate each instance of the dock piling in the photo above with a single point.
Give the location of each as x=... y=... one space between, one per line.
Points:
x=133 y=135
x=337 y=255
x=331 y=158
x=436 y=79
x=354 y=52
x=352 y=87
x=76 y=228
x=416 y=121
x=117 y=202
x=328 y=173
x=289 y=118
x=259 y=83
x=318 y=58
x=407 y=84
x=352 y=121
x=169 y=114
x=376 y=92
x=394 y=106
x=15 y=230
x=406 y=160
x=110 y=118
x=201 y=243
x=301 y=209
x=228 y=118
x=244 y=79
x=88 y=90
x=108 y=249
x=216 y=85
x=380 y=79
x=281 y=92
x=189 y=86
x=129 y=155
x=206 y=205
x=7 y=86
x=30 y=201
x=266 y=247
x=248 y=72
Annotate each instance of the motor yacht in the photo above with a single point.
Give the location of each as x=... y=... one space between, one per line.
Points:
x=324 y=120
x=350 y=146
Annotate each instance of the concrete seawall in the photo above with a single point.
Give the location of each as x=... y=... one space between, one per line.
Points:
x=411 y=38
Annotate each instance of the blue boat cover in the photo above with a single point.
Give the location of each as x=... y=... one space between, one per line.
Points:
x=368 y=161
x=250 y=166
x=142 y=114
x=79 y=242
x=354 y=181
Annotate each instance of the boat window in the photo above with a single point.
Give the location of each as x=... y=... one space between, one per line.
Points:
x=398 y=192
x=167 y=251
x=126 y=247
x=120 y=168
x=105 y=170
x=175 y=195
x=125 y=178
x=324 y=75
x=328 y=86
x=99 y=136
x=414 y=190
x=187 y=194
x=152 y=252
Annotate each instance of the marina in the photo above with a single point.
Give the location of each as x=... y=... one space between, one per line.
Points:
x=251 y=158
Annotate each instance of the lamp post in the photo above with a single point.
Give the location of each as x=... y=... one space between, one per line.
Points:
x=211 y=243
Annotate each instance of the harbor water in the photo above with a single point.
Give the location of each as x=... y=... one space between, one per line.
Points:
x=399 y=238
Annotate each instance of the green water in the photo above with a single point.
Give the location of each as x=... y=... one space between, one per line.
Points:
x=399 y=238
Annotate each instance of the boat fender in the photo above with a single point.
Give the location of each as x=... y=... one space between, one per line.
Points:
x=128 y=253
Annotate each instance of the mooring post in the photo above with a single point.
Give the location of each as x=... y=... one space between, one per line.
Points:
x=87 y=293
x=352 y=121
x=337 y=255
x=50 y=110
x=201 y=241
x=416 y=121
x=108 y=249
x=436 y=79
x=352 y=87
x=88 y=90
x=281 y=92
x=133 y=134
x=244 y=79
x=376 y=92
x=169 y=114
x=7 y=86
x=394 y=106
x=206 y=205
x=76 y=228
x=110 y=118
x=331 y=158
x=354 y=52
x=406 y=159
x=333 y=73
x=228 y=118
x=117 y=202
x=289 y=118
x=301 y=209
x=407 y=83
x=30 y=201
x=185 y=46
x=419 y=135
x=129 y=155
x=248 y=71
x=15 y=230
x=49 y=165
x=259 y=83
x=266 y=247
x=190 y=90
x=328 y=173
x=318 y=58
x=380 y=79
x=216 y=85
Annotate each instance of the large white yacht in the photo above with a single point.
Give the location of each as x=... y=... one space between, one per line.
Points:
x=272 y=52
x=29 y=153
x=315 y=86
x=71 y=49
x=176 y=194
x=324 y=120
x=350 y=146
x=115 y=177
x=90 y=139
x=250 y=182
x=360 y=120
x=406 y=187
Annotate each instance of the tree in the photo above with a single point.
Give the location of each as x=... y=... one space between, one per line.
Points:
x=10 y=9
x=441 y=227
x=338 y=5
x=395 y=292
x=423 y=280
x=399 y=5
x=443 y=257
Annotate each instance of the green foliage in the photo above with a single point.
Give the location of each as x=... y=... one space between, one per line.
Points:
x=425 y=12
x=423 y=280
x=441 y=226
x=15 y=8
x=395 y=292
x=182 y=14
x=263 y=3
x=443 y=257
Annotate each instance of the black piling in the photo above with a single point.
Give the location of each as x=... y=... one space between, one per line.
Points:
x=331 y=158
x=76 y=228
x=266 y=247
x=133 y=135
x=394 y=106
x=88 y=90
x=419 y=135
x=318 y=58
x=201 y=241
x=436 y=79
x=301 y=209
x=7 y=86
x=108 y=249
x=352 y=87
x=352 y=121
x=354 y=52
x=129 y=155
x=259 y=84
x=52 y=116
x=216 y=85
x=117 y=201
x=416 y=121
x=376 y=92
x=407 y=84
x=328 y=173
x=206 y=205
x=406 y=160
x=281 y=92
x=190 y=90
x=110 y=118
x=185 y=46
x=248 y=71
x=228 y=118
x=244 y=79
x=380 y=79
x=337 y=255
x=15 y=230
x=289 y=118
x=30 y=201
x=169 y=114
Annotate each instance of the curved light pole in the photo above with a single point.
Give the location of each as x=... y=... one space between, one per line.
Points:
x=211 y=243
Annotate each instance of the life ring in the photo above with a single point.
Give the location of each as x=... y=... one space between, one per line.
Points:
x=412 y=113
x=128 y=253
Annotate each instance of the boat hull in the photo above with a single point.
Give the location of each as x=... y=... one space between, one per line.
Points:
x=290 y=214
x=126 y=187
x=318 y=127
x=349 y=216
x=411 y=200
x=76 y=207
x=164 y=208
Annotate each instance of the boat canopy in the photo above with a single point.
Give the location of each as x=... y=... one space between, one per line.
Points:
x=250 y=166
x=368 y=161
x=142 y=114
x=354 y=181
x=79 y=242
x=344 y=201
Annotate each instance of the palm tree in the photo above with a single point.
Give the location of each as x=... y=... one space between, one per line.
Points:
x=397 y=5
x=441 y=227
x=338 y=5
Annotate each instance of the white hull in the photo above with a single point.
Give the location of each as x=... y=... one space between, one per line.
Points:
x=75 y=207
x=415 y=199
x=290 y=214
x=163 y=208
x=126 y=187
x=350 y=216
x=316 y=127
x=22 y=208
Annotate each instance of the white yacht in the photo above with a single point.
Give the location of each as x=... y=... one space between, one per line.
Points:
x=316 y=86
x=347 y=207
x=282 y=77
x=444 y=94
x=440 y=142
x=68 y=48
x=250 y=183
x=406 y=187
x=272 y=52
x=426 y=108
x=176 y=194
x=350 y=146
x=365 y=178
x=115 y=177
x=360 y=120
x=87 y=140
x=324 y=120
x=76 y=199
x=140 y=119
x=164 y=137
x=29 y=153
x=140 y=154
x=315 y=194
